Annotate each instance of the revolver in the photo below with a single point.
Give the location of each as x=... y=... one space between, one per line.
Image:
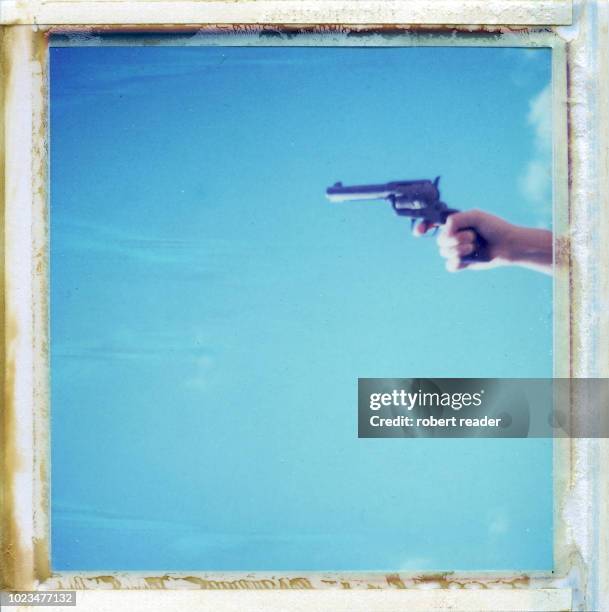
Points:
x=418 y=200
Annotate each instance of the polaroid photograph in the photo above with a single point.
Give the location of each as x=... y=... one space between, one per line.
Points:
x=305 y=305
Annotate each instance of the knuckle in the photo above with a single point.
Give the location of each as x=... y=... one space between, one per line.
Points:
x=466 y=249
x=451 y=226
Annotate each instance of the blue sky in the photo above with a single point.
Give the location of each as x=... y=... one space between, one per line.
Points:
x=211 y=311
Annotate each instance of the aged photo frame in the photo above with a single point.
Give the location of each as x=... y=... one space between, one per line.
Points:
x=577 y=36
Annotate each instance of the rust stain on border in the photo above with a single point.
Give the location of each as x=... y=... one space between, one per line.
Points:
x=12 y=555
x=12 y=559
x=40 y=301
x=15 y=571
x=442 y=580
x=290 y=30
x=6 y=552
x=571 y=279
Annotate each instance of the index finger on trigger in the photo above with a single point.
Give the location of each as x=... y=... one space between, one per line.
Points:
x=460 y=237
x=422 y=228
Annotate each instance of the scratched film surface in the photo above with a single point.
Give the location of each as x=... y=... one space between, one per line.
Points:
x=211 y=311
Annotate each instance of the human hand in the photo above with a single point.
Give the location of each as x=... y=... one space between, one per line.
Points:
x=504 y=243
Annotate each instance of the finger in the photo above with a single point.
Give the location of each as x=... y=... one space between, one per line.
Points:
x=455 y=264
x=459 y=250
x=461 y=237
x=422 y=228
x=460 y=221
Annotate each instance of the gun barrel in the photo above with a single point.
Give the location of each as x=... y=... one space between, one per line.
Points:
x=340 y=193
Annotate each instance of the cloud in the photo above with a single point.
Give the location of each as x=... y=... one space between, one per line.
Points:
x=201 y=374
x=139 y=73
x=498 y=526
x=527 y=65
x=540 y=117
x=536 y=178
x=142 y=345
x=89 y=239
x=75 y=515
x=414 y=563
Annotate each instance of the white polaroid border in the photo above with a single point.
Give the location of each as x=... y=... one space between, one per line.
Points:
x=580 y=47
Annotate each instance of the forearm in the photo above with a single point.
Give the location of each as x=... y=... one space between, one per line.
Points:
x=532 y=248
x=503 y=244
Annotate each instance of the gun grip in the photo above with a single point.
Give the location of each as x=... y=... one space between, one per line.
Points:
x=481 y=249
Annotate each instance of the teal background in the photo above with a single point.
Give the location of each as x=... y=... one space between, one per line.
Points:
x=211 y=311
